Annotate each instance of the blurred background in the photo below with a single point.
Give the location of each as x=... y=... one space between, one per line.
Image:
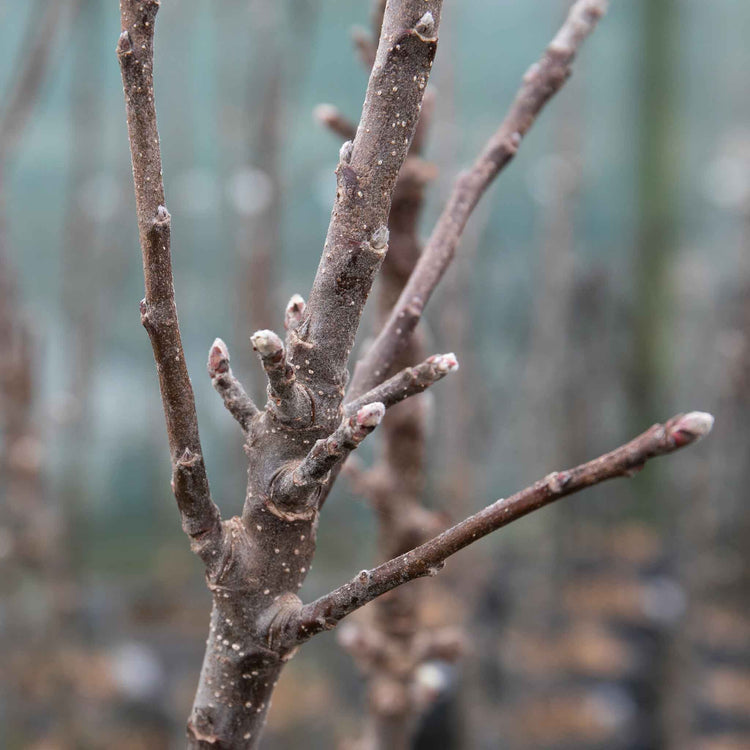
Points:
x=602 y=285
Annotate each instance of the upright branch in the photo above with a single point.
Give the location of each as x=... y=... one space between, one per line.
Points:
x=290 y=400
x=236 y=400
x=357 y=236
x=387 y=649
x=541 y=82
x=427 y=559
x=135 y=50
x=408 y=382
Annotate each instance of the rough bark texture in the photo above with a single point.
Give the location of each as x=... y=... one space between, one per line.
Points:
x=541 y=82
x=296 y=445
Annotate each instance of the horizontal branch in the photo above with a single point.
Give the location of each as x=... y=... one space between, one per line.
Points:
x=135 y=50
x=408 y=382
x=236 y=400
x=427 y=559
x=541 y=82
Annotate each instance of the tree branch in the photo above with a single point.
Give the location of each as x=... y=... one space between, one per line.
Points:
x=200 y=517
x=290 y=400
x=541 y=82
x=427 y=559
x=236 y=400
x=408 y=382
x=356 y=241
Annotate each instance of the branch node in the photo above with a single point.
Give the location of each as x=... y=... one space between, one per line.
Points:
x=163 y=217
x=363 y=577
x=145 y=310
x=295 y=309
x=345 y=152
x=379 y=239
x=188 y=459
x=124 y=45
x=425 y=28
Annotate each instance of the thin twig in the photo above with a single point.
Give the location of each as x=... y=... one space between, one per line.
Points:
x=408 y=382
x=288 y=398
x=541 y=82
x=236 y=400
x=200 y=517
x=356 y=241
x=427 y=559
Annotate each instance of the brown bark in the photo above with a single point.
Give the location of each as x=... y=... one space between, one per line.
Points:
x=429 y=558
x=255 y=563
x=541 y=82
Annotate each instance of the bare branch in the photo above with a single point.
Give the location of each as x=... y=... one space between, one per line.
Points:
x=367 y=172
x=408 y=382
x=236 y=400
x=541 y=82
x=335 y=120
x=289 y=399
x=427 y=559
x=135 y=51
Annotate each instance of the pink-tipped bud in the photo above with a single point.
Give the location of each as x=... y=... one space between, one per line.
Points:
x=445 y=363
x=691 y=427
x=294 y=310
x=371 y=415
x=218 y=358
x=266 y=343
